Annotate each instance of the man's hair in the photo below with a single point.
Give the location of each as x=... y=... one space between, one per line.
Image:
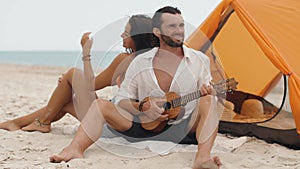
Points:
x=156 y=19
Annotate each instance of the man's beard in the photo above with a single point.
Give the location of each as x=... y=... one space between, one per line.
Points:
x=171 y=42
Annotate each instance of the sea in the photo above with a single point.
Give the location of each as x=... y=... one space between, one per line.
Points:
x=99 y=59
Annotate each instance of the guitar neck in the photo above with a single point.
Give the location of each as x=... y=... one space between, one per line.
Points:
x=183 y=100
x=227 y=85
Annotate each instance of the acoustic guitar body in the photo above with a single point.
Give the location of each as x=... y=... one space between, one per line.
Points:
x=155 y=125
x=174 y=103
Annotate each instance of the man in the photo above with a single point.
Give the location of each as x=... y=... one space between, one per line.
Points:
x=170 y=68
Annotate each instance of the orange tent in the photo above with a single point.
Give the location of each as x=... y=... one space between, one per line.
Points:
x=256 y=41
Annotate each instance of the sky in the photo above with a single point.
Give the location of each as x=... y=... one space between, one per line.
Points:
x=57 y=25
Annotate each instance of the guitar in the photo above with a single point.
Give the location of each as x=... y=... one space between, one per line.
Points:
x=174 y=103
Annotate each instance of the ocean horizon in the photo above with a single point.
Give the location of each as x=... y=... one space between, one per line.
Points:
x=56 y=58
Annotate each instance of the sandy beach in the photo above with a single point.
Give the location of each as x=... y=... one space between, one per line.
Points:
x=27 y=88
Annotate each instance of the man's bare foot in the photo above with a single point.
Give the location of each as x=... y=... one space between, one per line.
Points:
x=66 y=155
x=217 y=160
x=214 y=163
x=37 y=126
x=9 y=125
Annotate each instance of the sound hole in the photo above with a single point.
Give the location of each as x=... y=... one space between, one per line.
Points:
x=167 y=106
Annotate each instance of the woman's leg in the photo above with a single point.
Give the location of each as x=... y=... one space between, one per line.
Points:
x=90 y=129
x=73 y=80
x=18 y=123
x=60 y=97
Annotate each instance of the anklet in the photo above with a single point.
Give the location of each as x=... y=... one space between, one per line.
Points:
x=39 y=123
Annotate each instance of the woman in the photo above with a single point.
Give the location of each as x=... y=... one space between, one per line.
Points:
x=137 y=37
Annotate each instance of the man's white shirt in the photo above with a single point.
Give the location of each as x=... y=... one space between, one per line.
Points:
x=140 y=80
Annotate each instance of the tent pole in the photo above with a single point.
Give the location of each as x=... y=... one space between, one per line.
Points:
x=283 y=99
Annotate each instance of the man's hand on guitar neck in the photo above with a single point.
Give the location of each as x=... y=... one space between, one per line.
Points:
x=154 y=110
x=207 y=90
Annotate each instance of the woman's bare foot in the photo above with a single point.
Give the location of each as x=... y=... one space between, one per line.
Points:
x=214 y=163
x=66 y=155
x=9 y=125
x=37 y=126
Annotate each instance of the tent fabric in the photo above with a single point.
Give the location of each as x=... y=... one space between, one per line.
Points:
x=272 y=30
x=268 y=134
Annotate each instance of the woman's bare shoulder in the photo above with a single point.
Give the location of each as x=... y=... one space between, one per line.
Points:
x=122 y=55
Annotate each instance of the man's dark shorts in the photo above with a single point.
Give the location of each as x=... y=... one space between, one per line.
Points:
x=177 y=133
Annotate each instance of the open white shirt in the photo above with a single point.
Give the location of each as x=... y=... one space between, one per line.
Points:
x=140 y=80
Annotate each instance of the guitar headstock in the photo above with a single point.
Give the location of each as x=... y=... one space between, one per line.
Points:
x=225 y=86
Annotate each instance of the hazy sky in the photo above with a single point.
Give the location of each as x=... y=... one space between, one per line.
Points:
x=59 y=24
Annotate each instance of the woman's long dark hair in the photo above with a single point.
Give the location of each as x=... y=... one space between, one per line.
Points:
x=141 y=33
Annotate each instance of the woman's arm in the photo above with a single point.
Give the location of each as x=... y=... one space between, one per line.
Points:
x=86 y=44
x=109 y=76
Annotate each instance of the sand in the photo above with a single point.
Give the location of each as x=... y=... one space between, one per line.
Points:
x=26 y=88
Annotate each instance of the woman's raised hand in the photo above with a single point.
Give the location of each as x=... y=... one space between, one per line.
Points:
x=86 y=43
